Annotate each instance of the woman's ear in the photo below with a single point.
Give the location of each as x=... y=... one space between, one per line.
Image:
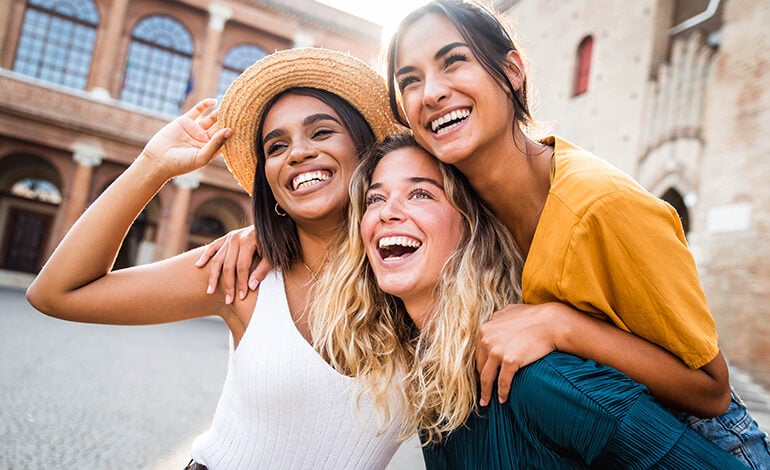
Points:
x=514 y=69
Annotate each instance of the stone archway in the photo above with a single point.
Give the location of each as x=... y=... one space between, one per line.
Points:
x=30 y=195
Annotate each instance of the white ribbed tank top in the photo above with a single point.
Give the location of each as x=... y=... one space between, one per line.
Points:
x=284 y=407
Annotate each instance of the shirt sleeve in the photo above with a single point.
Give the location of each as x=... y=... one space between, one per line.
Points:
x=628 y=259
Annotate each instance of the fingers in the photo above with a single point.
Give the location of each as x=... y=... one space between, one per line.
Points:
x=505 y=379
x=242 y=268
x=487 y=380
x=227 y=276
x=247 y=248
x=259 y=274
x=210 y=251
x=200 y=107
x=210 y=149
x=208 y=122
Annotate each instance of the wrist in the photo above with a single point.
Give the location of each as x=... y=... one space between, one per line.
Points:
x=562 y=329
x=150 y=170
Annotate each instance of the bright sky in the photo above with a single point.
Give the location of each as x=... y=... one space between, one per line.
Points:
x=383 y=12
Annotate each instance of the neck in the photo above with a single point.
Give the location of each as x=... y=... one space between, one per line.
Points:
x=513 y=179
x=418 y=310
x=315 y=243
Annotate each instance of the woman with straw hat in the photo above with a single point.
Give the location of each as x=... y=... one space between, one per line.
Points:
x=293 y=126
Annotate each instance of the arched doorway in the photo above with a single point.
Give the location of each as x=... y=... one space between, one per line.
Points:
x=673 y=197
x=30 y=196
x=212 y=219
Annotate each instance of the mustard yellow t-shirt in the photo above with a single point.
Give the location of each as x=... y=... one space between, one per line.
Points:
x=608 y=247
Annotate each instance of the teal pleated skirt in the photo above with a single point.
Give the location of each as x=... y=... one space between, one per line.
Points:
x=564 y=413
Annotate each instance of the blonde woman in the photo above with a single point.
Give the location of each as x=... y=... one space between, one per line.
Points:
x=424 y=265
x=591 y=236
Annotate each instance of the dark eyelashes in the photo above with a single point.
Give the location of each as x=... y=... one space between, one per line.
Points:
x=405 y=81
x=454 y=57
x=448 y=60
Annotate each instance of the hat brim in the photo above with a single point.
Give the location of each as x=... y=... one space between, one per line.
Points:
x=243 y=105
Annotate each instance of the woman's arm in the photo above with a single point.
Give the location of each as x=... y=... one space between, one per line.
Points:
x=77 y=283
x=521 y=334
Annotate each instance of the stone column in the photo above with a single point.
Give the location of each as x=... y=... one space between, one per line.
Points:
x=86 y=156
x=176 y=224
x=106 y=53
x=207 y=76
x=303 y=39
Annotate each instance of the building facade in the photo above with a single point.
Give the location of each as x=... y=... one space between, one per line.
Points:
x=85 y=83
x=677 y=94
x=674 y=92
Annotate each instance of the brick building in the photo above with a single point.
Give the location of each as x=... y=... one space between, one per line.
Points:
x=85 y=83
x=674 y=92
x=677 y=94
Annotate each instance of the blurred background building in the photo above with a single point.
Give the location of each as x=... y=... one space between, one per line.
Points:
x=677 y=94
x=674 y=92
x=85 y=83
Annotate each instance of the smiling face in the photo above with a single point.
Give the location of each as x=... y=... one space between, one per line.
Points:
x=409 y=228
x=455 y=108
x=309 y=159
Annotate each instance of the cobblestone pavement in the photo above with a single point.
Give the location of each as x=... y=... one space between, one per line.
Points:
x=101 y=397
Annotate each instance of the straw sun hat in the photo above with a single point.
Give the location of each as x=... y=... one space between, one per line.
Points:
x=244 y=103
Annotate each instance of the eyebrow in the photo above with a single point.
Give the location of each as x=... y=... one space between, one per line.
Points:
x=414 y=179
x=312 y=119
x=439 y=54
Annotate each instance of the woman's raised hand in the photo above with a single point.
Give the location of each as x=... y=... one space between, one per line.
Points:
x=187 y=143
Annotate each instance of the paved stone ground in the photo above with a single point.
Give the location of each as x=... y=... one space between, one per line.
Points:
x=101 y=397
x=91 y=396
x=96 y=397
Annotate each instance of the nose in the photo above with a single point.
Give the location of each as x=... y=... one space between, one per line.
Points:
x=435 y=90
x=301 y=149
x=392 y=210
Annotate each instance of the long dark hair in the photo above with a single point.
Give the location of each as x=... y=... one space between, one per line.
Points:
x=489 y=40
x=276 y=235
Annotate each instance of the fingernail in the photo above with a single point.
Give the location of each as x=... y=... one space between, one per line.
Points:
x=210 y=289
x=228 y=299
x=241 y=294
x=198 y=263
x=500 y=400
x=253 y=284
x=482 y=402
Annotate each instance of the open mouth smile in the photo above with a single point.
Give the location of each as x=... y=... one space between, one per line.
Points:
x=394 y=248
x=310 y=178
x=449 y=121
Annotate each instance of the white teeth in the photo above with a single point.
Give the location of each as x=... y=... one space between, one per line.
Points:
x=310 y=178
x=449 y=117
x=386 y=242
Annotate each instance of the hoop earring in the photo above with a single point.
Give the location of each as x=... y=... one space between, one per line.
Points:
x=279 y=210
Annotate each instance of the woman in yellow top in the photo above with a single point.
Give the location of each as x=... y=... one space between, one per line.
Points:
x=423 y=266
x=591 y=237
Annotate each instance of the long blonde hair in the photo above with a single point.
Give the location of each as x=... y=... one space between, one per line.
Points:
x=367 y=333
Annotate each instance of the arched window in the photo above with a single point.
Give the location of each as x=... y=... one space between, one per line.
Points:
x=208 y=226
x=583 y=69
x=673 y=197
x=37 y=190
x=57 y=41
x=157 y=74
x=238 y=59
